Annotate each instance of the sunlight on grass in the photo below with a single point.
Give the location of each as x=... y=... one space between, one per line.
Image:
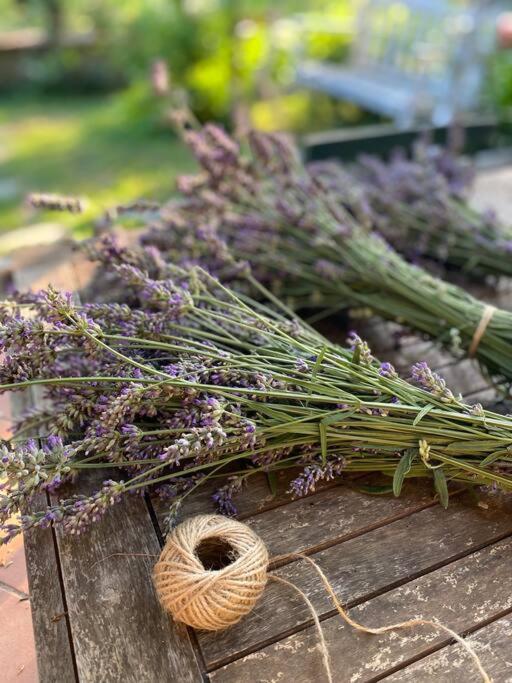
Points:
x=111 y=149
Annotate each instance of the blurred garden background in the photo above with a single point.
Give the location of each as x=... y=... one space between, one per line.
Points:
x=86 y=87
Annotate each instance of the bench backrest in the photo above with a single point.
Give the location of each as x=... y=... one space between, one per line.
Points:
x=416 y=39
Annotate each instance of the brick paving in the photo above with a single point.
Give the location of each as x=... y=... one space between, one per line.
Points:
x=17 y=647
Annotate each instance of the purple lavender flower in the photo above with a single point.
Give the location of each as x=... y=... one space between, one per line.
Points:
x=223 y=497
x=387 y=370
x=315 y=472
x=362 y=352
x=431 y=381
x=301 y=365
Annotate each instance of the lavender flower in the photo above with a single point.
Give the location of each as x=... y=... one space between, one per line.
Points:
x=223 y=497
x=362 y=352
x=387 y=370
x=431 y=381
x=315 y=472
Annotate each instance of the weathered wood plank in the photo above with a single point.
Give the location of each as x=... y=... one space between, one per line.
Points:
x=464 y=377
x=120 y=633
x=36 y=267
x=255 y=498
x=488 y=397
x=493 y=646
x=119 y=630
x=54 y=649
x=427 y=351
x=359 y=568
x=330 y=515
x=462 y=595
x=55 y=661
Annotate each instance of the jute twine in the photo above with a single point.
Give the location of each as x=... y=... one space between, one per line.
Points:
x=204 y=598
x=213 y=599
x=486 y=318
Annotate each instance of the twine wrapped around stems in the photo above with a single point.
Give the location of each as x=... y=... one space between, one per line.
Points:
x=486 y=318
x=197 y=589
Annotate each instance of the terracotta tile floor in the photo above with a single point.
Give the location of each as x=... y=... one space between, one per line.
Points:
x=17 y=648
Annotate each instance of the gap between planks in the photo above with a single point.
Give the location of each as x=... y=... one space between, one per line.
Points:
x=492 y=644
x=475 y=629
x=361 y=657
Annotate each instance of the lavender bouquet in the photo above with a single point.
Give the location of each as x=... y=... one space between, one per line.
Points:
x=192 y=382
x=308 y=247
x=420 y=207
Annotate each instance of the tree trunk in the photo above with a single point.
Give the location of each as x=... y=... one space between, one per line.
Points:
x=55 y=21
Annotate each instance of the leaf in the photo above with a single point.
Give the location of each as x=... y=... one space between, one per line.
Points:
x=318 y=362
x=339 y=416
x=316 y=366
x=441 y=487
x=375 y=490
x=492 y=457
x=476 y=445
x=272 y=483
x=402 y=469
x=323 y=442
x=424 y=411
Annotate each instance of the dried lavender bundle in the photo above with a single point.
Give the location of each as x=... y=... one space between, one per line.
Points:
x=309 y=247
x=194 y=382
x=419 y=206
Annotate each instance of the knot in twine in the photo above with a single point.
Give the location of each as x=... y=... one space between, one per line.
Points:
x=211 y=599
x=215 y=598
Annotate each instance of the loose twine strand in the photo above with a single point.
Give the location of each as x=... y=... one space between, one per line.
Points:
x=409 y=623
x=214 y=599
x=486 y=318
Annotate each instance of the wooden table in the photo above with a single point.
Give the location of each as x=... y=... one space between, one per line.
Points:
x=97 y=619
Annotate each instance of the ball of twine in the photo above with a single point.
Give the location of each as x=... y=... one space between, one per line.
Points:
x=193 y=590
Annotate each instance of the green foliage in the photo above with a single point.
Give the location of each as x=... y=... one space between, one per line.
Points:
x=112 y=149
x=500 y=84
x=222 y=52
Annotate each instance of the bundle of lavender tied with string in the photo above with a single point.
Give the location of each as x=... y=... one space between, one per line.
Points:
x=308 y=247
x=192 y=382
x=420 y=205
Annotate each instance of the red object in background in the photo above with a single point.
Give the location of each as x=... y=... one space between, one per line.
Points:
x=504 y=30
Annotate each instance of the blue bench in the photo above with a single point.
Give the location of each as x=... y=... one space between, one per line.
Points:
x=411 y=60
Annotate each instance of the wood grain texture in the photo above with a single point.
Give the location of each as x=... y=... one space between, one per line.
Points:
x=257 y=499
x=55 y=660
x=54 y=649
x=120 y=633
x=119 y=630
x=359 y=568
x=254 y=498
x=332 y=516
x=492 y=644
x=462 y=595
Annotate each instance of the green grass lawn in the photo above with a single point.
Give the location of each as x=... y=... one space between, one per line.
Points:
x=110 y=149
